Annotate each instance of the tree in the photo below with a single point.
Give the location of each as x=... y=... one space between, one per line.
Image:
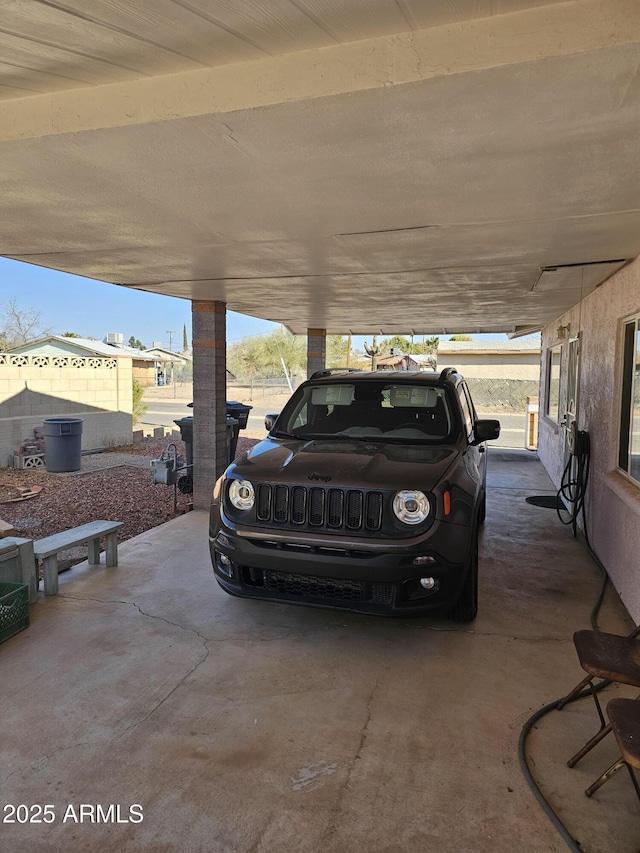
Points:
x=338 y=350
x=70 y=335
x=185 y=342
x=139 y=408
x=134 y=343
x=264 y=355
x=399 y=342
x=21 y=324
x=460 y=338
x=407 y=347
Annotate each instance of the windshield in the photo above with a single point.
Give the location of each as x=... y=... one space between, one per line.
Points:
x=368 y=410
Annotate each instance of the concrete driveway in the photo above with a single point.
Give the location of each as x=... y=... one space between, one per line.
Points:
x=218 y=724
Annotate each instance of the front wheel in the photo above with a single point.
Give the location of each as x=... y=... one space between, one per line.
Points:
x=466 y=607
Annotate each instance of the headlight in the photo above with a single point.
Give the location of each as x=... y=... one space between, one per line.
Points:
x=241 y=494
x=411 y=506
x=217 y=489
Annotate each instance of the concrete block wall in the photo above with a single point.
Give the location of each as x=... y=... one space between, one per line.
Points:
x=98 y=390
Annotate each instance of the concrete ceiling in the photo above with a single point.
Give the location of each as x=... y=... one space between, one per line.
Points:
x=425 y=166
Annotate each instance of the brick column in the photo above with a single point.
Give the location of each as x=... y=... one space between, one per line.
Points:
x=316 y=350
x=210 y=455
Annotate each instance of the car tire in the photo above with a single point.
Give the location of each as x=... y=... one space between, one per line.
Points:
x=466 y=607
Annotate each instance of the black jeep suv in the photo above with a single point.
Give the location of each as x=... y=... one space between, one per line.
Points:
x=366 y=495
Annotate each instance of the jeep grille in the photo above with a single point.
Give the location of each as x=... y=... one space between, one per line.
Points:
x=317 y=507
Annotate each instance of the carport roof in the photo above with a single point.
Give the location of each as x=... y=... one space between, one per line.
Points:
x=409 y=167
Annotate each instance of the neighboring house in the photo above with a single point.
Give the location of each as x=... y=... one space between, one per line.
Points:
x=516 y=359
x=66 y=377
x=397 y=362
x=143 y=365
x=169 y=364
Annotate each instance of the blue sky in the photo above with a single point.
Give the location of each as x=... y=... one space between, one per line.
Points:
x=91 y=308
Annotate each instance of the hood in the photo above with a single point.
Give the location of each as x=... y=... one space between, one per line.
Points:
x=346 y=464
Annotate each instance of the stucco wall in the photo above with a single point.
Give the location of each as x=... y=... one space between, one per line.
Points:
x=98 y=390
x=509 y=365
x=613 y=500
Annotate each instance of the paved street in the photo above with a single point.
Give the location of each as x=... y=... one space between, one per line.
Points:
x=163 y=412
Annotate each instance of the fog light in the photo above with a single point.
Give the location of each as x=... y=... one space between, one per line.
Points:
x=420 y=561
x=224 y=564
x=427 y=583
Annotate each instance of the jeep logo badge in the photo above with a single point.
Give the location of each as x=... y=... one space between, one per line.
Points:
x=324 y=478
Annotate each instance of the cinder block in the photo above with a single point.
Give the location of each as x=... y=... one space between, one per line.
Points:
x=36 y=460
x=138 y=436
x=6 y=529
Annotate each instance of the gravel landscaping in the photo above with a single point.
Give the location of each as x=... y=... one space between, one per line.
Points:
x=123 y=493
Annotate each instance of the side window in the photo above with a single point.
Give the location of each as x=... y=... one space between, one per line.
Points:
x=302 y=418
x=472 y=408
x=629 y=442
x=552 y=393
x=467 y=414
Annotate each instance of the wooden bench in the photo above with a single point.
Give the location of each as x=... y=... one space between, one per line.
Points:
x=47 y=549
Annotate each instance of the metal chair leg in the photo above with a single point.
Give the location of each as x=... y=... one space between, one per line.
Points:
x=606 y=776
x=577 y=689
x=595 y=740
x=633 y=779
x=603 y=731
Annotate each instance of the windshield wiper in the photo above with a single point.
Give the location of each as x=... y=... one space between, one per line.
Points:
x=279 y=433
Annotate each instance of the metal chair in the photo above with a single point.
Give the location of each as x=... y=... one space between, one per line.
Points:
x=624 y=715
x=609 y=657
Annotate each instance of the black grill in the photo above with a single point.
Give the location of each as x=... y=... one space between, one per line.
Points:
x=309 y=586
x=316 y=507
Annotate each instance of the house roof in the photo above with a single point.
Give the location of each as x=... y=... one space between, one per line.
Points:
x=393 y=358
x=531 y=345
x=162 y=354
x=518 y=345
x=81 y=346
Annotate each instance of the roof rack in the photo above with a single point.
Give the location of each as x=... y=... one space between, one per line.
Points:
x=447 y=372
x=329 y=371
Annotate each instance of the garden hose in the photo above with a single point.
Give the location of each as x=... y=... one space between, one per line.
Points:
x=574 y=491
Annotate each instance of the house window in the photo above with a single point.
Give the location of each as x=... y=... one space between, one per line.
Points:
x=552 y=403
x=629 y=444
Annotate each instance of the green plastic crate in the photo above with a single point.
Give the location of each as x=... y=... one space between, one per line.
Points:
x=14 y=609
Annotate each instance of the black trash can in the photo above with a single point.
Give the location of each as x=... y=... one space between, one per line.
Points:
x=233 y=428
x=239 y=411
x=186 y=434
x=62 y=444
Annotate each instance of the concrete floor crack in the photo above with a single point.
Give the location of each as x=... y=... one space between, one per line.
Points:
x=49 y=756
x=205 y=645
x=332 y=823
x=141 y=611
x=164 y=699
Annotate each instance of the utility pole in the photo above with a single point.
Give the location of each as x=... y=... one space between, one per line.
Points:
x=171 y=334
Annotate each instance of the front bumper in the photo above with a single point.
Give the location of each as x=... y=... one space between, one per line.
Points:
x=363 y=575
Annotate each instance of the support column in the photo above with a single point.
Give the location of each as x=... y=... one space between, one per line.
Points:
x=316 y=350
x=210 y=454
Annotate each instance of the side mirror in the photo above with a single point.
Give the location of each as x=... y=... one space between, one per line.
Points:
x=486 y=430
x=270 y=421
